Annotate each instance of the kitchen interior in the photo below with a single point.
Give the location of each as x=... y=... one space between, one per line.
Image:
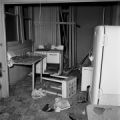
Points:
x=52 y=56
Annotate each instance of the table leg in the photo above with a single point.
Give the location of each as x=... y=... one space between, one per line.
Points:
x=41 y=67
x=33 y=76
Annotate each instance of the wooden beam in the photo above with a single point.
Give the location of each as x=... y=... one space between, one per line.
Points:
x=73 y=39
x=4 y=90
x=59 y=23
x=50 y=1
x=70 y=41
x=65 y=23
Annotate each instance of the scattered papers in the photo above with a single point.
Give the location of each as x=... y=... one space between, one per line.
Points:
x=38 y=93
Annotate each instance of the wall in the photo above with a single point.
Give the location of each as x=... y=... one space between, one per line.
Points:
x=18 y=72
x=116 y=14
x=89 y=16
x=45 y=25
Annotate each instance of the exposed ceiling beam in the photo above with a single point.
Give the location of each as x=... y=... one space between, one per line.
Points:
x=50 y=1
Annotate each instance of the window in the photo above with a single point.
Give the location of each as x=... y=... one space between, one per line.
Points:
x=11 y=23
x=18 y=23
x=27 y=21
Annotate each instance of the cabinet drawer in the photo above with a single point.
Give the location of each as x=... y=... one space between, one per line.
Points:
x=53 y=57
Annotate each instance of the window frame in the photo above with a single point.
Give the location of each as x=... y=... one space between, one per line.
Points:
x=21 y=26
x=28 y=19
x=13 y=43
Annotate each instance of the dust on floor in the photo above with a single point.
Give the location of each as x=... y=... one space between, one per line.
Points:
x=21 y=106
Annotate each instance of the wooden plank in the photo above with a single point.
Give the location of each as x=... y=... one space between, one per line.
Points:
x=70 y=40
x=75 y=32
x=73 y=39
x=50 y=22
x=65 y=23
x=58 y=37
x=4 y=90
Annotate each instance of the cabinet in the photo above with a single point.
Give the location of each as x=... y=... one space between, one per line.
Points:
x=87 y=73
x=52 y=62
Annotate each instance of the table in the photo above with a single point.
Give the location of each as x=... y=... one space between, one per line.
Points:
x=30 y=60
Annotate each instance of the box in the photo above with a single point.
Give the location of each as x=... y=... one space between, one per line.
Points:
x=62 y=86
x=87 y=73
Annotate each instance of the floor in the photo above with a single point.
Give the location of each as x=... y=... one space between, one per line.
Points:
x=21 y=106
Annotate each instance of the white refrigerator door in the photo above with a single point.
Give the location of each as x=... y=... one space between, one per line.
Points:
x=110 y=74
x=97 y=54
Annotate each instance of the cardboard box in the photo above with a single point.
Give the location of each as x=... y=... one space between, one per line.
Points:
x=63 y=86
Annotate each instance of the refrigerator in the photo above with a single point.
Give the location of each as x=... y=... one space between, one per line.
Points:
x=105 y=88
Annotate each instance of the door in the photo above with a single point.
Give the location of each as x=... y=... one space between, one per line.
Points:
x=97 y=54
x=4 y=89
x=110 y=75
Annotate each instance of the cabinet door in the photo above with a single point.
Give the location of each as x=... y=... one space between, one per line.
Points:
x=53 y=57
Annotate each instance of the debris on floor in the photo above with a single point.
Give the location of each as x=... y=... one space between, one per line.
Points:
x=21 y=106
x=38 y=93
x=48 y=108
x=82 y=97
x=61 y=104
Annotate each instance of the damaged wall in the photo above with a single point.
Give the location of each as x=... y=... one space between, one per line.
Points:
x=89 y=16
